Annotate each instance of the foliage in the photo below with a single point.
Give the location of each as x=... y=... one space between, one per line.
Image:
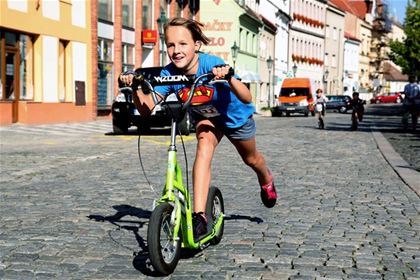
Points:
x=407 y=53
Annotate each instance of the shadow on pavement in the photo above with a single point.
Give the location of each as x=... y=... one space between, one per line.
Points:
x=257 y=220
x=141 y=260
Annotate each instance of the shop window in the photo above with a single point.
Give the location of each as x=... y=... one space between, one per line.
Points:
x=105 y=10
x=127 y=13
x=26 y=67
x=1 y=66
x=10 y=39
x=105 y=73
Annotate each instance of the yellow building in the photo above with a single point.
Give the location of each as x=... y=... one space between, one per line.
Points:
x=45 y=62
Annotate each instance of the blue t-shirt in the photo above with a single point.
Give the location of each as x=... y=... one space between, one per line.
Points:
x=233 y=112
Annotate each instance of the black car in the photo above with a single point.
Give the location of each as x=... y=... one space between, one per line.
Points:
x=340 y=103
x=125 y=114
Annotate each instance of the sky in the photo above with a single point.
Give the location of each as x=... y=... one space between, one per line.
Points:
x=397 y=7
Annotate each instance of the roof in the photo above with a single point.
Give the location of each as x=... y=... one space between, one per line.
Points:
x=392 y=73
x=350 y=36
x=269 y=23
x=358 y=8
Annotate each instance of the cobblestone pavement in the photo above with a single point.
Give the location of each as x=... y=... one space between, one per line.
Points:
x=76 y=206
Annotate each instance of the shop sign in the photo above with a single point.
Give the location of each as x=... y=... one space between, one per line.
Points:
x=149 y=37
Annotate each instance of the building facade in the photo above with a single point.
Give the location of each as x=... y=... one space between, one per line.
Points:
x=126 y=40
x=45 y=62
x=307 y=40
x=233 y=24
x=334 y=50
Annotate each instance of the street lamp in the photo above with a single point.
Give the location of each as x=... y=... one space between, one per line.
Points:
x=161 y=21
x=294 y=70
x=326 y=73
x=235 y=50
x=270 y=62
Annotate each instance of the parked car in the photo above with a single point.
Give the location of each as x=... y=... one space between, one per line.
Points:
x=392 y=97
x=340 y=103
x=125 y=114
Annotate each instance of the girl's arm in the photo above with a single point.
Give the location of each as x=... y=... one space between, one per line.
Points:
x=236 y=86
x=143 y=102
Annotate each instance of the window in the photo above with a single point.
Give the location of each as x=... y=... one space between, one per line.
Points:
x=105 y=10
x=247 y=42
x=26 y=67
x=326 y=59
x=147 y=14
x=127 y=13
x=105 y=73
x=128 y=57
x=178 y=8
x=62 y=73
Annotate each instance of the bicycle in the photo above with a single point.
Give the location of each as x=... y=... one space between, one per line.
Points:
x=170 y=225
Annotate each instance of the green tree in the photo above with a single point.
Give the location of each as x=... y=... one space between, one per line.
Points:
x=407 y=53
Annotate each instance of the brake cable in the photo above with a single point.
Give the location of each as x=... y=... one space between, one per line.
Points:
x=183 y=148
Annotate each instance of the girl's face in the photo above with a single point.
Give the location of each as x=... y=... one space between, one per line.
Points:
x=182 y=49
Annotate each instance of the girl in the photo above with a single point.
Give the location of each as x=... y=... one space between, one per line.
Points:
x=183 y=38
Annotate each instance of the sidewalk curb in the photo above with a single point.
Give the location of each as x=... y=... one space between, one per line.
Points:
x=408 y=175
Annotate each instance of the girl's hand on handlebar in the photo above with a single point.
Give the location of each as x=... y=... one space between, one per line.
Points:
x=126 y=79
x=221 y=72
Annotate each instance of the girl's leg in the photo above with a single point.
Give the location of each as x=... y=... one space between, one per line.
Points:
x=208 y=137
x=253 y=158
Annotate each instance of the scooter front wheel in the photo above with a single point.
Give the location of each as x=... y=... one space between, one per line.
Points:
x=164 y=248
x=214 y=209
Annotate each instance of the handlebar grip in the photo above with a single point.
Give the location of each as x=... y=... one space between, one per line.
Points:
x=230 y=74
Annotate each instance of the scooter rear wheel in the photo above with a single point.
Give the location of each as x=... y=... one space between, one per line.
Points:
x=164 y=252
x=214 y=209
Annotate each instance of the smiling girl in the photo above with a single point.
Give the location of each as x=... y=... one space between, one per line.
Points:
x=233 y=102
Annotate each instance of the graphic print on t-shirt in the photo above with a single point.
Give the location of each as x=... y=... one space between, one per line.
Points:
x=202 y=95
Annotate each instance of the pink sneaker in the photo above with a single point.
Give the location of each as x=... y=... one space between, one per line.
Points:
x=268 y=194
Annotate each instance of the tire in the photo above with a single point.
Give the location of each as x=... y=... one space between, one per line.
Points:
x=119 y=126
x=214 y=208
x=163 y=253
x=306 y=114
x=342 y=110
x=184 y=125
x=313 y=114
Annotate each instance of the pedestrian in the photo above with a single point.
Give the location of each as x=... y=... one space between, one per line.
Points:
x=358 y=110
x=232 y=100
x=411 y=103
x=320 y=107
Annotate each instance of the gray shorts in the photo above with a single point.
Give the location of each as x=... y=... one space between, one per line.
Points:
x=244 y=132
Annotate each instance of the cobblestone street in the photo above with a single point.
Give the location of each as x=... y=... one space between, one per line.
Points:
x=74 y=204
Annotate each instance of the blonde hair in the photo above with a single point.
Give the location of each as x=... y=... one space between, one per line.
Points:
x=193 y=26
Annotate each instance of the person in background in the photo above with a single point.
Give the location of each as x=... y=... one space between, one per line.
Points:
x=358 y=107
x=411 y=103
x=320 y=107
